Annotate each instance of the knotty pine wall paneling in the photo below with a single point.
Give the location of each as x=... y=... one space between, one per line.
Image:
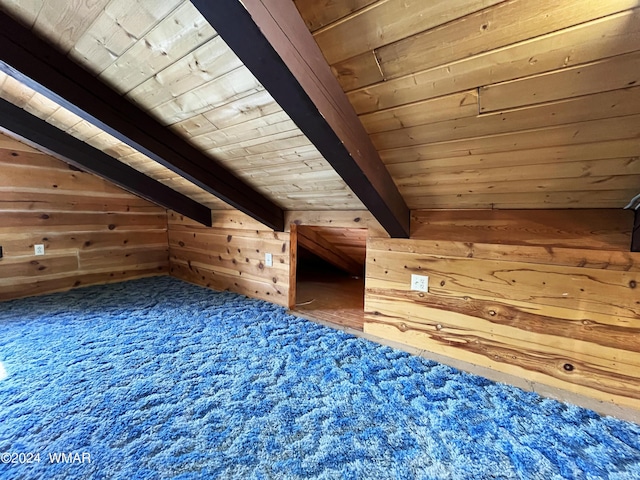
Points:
x=231 y=255
x=548 y=296
x=93 y=232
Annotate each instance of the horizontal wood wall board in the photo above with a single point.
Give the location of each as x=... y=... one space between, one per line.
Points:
x=92 y=233
x=535 y=200
x=605 y=346
x=503 y=24
x=231 y=255
x=12 y=269
x=626 y=148
x=300 y=81
x=119 y=221
x=219 y=281
x=253 y=271
x=603 y=75
x=387 y=21
x=597 y=229
x=79 y=279
x=608 y=182
x=43 y=68
x=122 y=257
x=233 y=249
x=570 y=134
x=38 y=199
x=566 y=48
x=40 y=134
x=616 y=103
x=601 y=291
x=571 y=257
x=523 y=362
x=572 y=170
x=21 y=244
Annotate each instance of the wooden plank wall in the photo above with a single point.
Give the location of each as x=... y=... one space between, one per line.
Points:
x=493 y=103
x=548 y=296
x=93 y=232
x=231 y=255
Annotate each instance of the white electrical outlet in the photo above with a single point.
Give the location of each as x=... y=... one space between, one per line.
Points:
x=420 y=283
x=38 y=249
x=268 y=260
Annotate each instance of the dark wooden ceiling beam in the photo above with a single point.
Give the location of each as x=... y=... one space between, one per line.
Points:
x=39 y=134
x=635 y=233
x=41 y=67
x=272 y=40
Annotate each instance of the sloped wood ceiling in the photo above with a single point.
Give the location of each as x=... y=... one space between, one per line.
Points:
x=493 y=103
x=167 y=59
x=470 y=103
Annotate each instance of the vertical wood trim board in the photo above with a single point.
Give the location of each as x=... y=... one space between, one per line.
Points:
x=93 y=232
x=231 y=255
x=552 y=298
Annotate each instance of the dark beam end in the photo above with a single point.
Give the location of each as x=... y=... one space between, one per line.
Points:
x=635 y=233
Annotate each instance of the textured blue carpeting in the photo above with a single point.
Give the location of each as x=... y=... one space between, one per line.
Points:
x=157 y=378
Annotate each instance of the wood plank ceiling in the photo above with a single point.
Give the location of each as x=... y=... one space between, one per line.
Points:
x=493 y=103
x=164 y=57
x=470 y=104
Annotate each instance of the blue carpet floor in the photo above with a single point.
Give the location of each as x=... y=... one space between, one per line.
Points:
x=157 y=378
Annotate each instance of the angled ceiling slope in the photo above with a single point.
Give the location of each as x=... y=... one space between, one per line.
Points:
x=41 y=67
x=272 y=40
x=178 y=140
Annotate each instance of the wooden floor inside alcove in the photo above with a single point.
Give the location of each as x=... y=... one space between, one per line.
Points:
x=331 y=296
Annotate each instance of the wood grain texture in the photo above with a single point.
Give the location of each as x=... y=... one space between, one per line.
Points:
x=385 y=22
x=93 y=232
x=500 y=25
x=299 y=80
x=549 y=296
x=357 y=219
x=230 y=256
x=594 y=229
x=600 y=38
x=602 y=75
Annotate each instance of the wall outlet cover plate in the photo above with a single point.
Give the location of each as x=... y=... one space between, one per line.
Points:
x=420 y=283
x=38 y=249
